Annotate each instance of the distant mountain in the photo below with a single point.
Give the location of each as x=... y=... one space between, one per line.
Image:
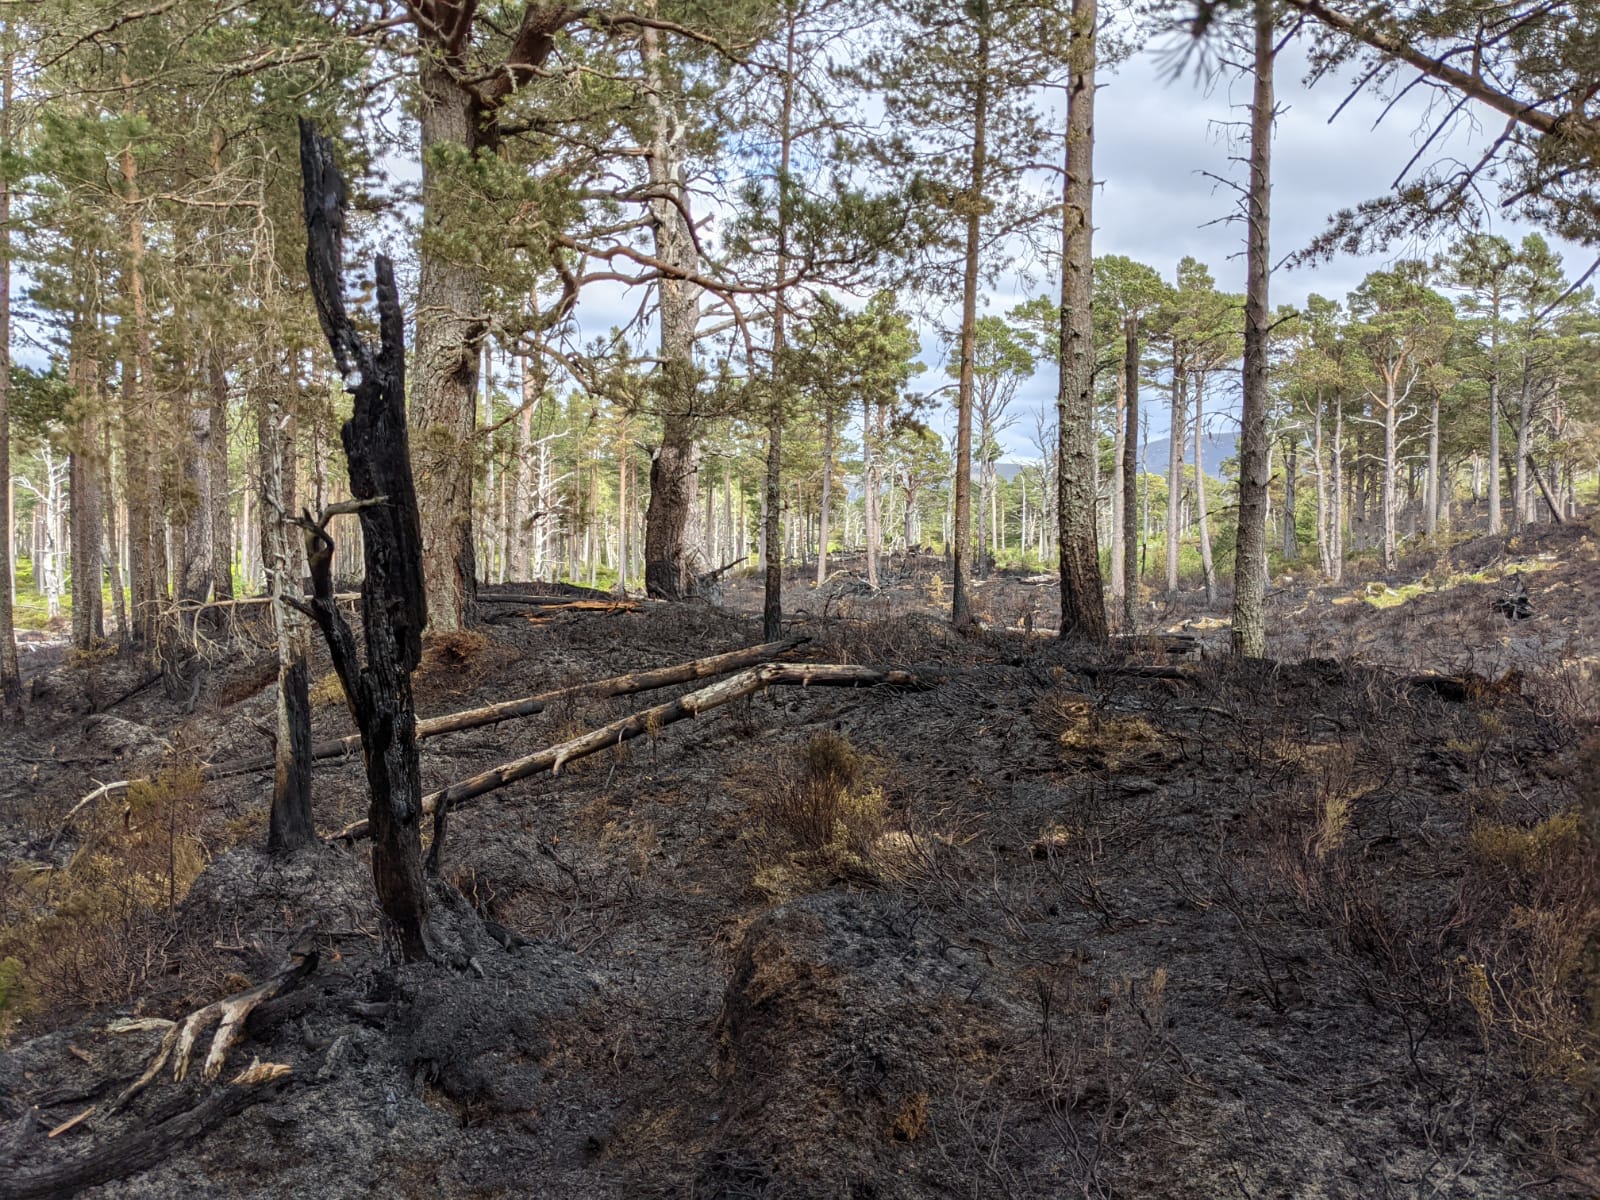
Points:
x=1218 y=448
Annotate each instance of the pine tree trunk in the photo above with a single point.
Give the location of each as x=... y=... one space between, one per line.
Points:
x=1291 y=500
x=194 y=564
x=10 y=672
x=772 y=485
x=669 y=567
x=1250 y=559
x=1390 y=502
x=1119 y=498
x=219 y=515
x=1130 y=475
x=113 y=544
x=1324 y=543
x=1178 y=421
x=451 y=326
x=869 y=483
x=1496 y=522
x=961 y=534
x=1522 y=494
x=145 y=539
x=1202 y=519
x=1431 y=497
x=289 y=825
x=85 y=499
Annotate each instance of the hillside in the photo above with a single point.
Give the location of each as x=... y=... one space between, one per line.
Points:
x=1147 y=925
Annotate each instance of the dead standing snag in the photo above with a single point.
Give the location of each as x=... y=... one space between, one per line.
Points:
x=393 y=607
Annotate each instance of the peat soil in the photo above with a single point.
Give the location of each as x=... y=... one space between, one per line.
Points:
x=1234 y=932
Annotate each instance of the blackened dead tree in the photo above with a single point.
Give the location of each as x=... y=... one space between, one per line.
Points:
x=393 y=602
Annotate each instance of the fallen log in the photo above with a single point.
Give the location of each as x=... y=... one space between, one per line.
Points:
x=540 y=612
x=491 y=714
x=140 y=1149
x=553 y=758
x=531 y=600
x=528 y=706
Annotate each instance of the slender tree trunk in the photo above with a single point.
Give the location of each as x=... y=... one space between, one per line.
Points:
x=1208 y=568
x=869 y=511
x=113 y=543
x=193 y=568
x=289 y=826
x=1324 y=543
x=1431 y=496
x=528 y=497
x=1391 y=552
x=1119 y=487
x=1522 y=494
x=1336 y=517
x=1291 y=500
x=624 y=547
x=960 y=601
x=218 y=513
x=1495 y=520
x=85 y=498
x=1250 y=558
x=10 y=672
x=823 y=512
x=1179 y=421
x=1130 y=475
x=145 y=540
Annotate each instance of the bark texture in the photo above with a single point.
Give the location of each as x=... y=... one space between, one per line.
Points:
x=393 y=599
x=669 y=569
x=1083 y=606
x=1250 y=558
x=1130 y=476
x=10 y=674
x=961 y=524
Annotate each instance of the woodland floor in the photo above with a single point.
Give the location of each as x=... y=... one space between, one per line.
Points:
x=1260 y=931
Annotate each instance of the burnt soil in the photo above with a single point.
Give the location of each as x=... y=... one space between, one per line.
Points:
x=1109 y=935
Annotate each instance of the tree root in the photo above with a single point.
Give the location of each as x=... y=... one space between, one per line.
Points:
x=231 y=1013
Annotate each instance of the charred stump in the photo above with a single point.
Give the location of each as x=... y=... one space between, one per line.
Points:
x=393 y=604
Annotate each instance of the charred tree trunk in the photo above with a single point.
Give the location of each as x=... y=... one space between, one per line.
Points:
x=289 y=825
x=393 y=599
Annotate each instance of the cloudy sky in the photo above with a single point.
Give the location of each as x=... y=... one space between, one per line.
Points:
x=1157 y=140
x=1157 y=137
